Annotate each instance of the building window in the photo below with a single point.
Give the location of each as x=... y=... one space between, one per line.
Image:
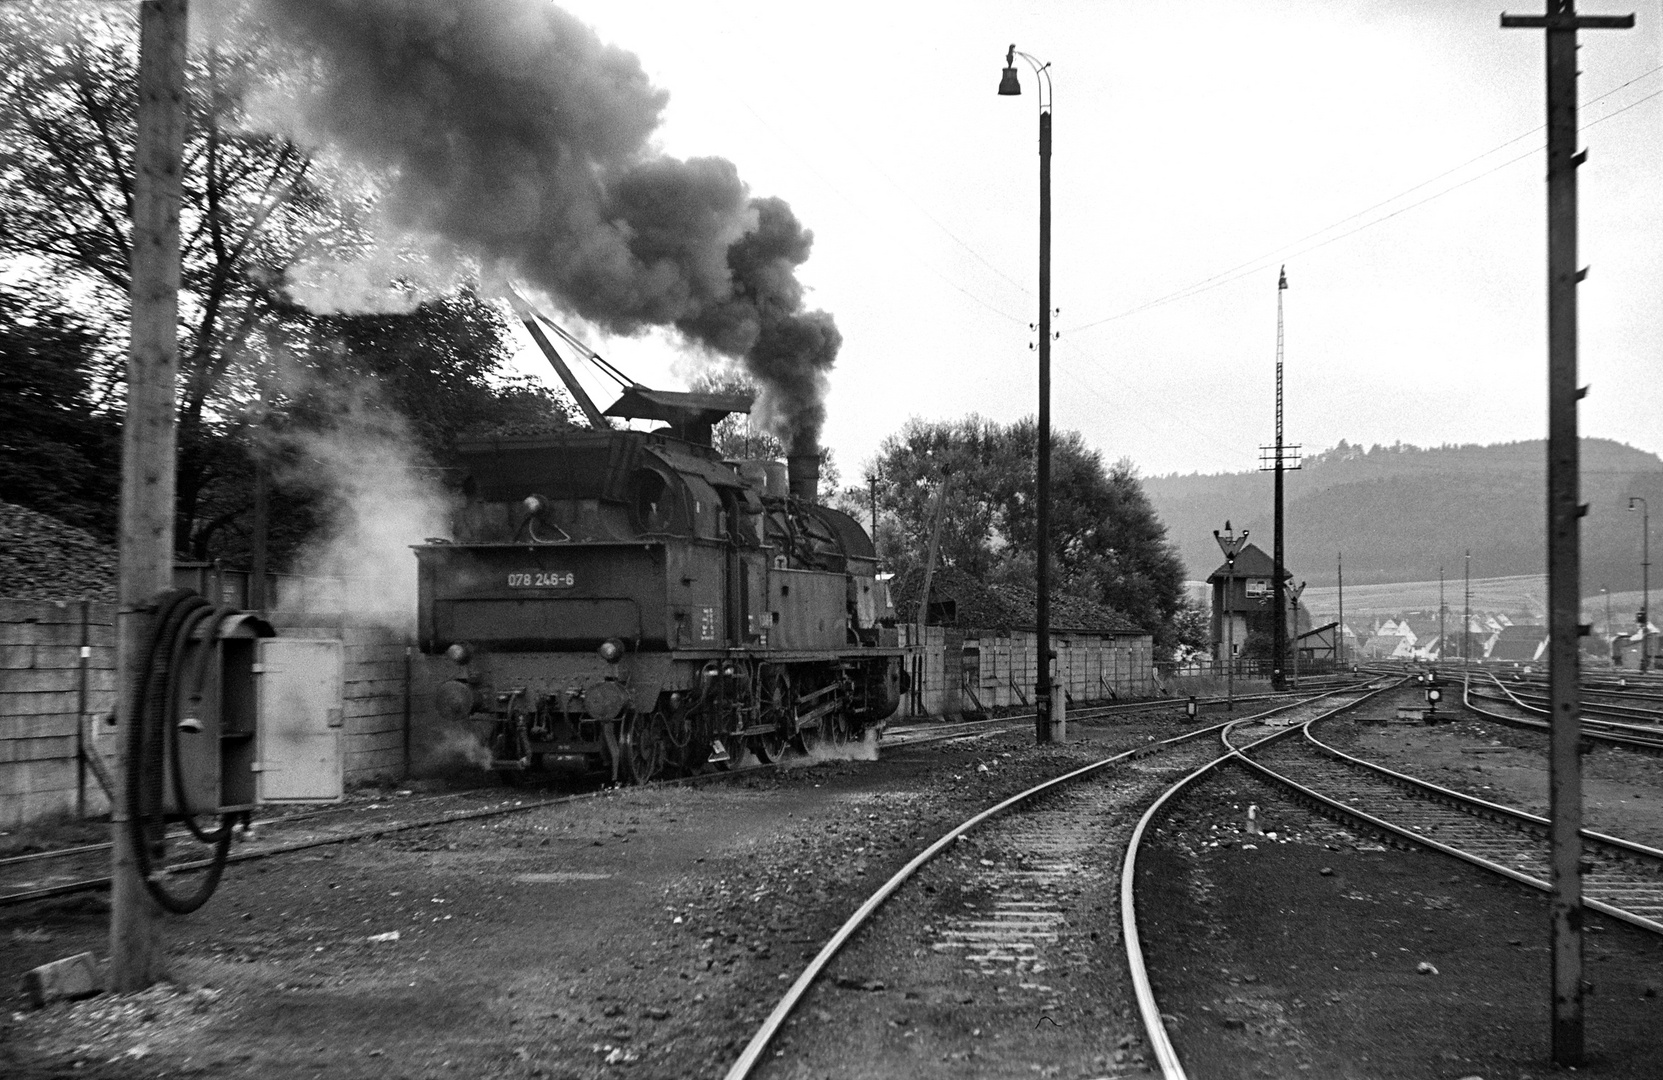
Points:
x=1258 y=587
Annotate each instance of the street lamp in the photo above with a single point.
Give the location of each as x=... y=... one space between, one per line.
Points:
x=1231 y=545
x=1645 y=579
x=1010 y=87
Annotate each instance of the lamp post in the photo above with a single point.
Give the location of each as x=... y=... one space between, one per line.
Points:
x=1010 y=87
x=1231 y=545
x=1645 y=579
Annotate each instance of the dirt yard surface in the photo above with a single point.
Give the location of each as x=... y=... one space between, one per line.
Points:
x=645 y=933
x=641 y=934
x=1312 y=951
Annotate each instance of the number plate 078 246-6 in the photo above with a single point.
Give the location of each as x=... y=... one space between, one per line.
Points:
x=541 y=579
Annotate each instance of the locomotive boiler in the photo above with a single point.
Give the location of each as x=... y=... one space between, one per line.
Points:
x=634 y=600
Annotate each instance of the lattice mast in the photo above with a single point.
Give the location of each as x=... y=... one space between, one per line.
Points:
x=1276 y=459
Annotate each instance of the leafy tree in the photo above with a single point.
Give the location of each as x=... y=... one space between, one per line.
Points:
x=251 y=208
x=1106 y=543
x=736 y=437
x=254 y=208
x=59 y=450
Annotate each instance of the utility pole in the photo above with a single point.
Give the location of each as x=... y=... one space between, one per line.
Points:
x=1466 y=623
x=1564 y=515
x=1293 y=602
x=1443 y=643
x=1340 y=635
x=1278 y=591
x=148 y=450
x=1645 y=579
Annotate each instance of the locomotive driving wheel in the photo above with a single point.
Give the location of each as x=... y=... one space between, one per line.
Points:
x=642 y=744
x=779 y=707
x=836 y=730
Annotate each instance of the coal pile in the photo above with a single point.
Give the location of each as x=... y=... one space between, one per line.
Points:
x=41 y=558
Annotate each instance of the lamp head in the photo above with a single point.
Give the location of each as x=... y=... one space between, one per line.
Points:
x=1008 y=86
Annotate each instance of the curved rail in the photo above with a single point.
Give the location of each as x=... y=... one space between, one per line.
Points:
x=793 y=995
x=1468 y=805
x=1166 y=1055
x=1629 y=736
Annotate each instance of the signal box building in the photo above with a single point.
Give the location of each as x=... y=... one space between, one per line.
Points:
x=1244 y=601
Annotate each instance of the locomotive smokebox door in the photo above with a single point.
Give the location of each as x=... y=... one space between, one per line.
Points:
x=298 y=692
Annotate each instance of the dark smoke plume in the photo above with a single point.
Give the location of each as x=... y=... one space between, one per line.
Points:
x=509 y=129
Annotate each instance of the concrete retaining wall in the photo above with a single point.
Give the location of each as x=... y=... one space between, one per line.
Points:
x=42 y=701
x=45 y=687
x=956 y=670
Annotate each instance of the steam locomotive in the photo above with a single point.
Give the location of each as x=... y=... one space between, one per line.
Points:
x=632 y=601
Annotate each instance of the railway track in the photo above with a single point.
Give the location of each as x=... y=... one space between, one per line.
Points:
x=1622 y=879
x=1003 y=917
x=40 y=875
x=1504 y=706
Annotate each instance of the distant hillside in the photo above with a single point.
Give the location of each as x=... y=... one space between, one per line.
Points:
x=1399 y=512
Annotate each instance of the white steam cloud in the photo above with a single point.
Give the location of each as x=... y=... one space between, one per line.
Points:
x=381 y=500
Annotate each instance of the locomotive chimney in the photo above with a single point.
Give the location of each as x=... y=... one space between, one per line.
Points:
x=804 y=472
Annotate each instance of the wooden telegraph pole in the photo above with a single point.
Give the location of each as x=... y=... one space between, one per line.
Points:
x=1564 y=514
x=148 y=444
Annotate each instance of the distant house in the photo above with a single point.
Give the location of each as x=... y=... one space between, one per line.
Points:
x=1387 y=647
x=1519 y=644
x=978 y=650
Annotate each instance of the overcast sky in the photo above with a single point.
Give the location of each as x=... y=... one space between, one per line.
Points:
x=1390 y=153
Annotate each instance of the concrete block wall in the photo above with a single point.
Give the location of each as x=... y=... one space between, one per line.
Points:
x=1092 y=667
x=42 y=701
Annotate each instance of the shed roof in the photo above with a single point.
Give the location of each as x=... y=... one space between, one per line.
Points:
x=984 y=606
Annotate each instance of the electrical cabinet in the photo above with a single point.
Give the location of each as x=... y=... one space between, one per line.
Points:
x=217 y=719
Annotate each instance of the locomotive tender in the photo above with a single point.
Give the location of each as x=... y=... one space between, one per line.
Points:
x=633 y=600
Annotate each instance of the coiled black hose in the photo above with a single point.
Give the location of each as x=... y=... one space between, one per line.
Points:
x=163 y=687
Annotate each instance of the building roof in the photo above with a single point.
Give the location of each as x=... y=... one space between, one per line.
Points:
x=982 y=606
x=1519 y=643
x=1250 y=562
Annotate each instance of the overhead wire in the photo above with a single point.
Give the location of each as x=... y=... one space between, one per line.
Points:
x=1293 y=248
